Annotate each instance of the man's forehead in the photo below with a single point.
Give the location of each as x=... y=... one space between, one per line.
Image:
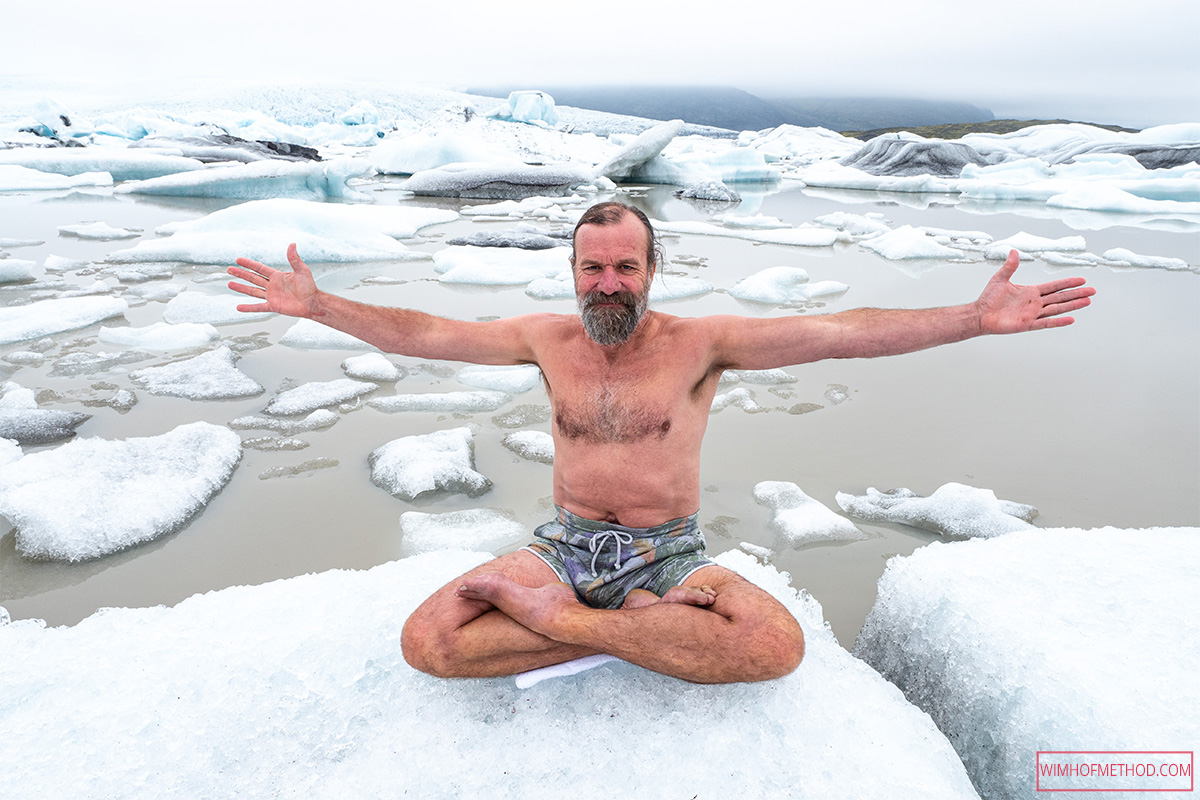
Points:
x=627 y=236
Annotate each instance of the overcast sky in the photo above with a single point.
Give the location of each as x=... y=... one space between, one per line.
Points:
x=1122 y=62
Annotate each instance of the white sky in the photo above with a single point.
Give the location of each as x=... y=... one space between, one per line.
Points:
x=1121 y=61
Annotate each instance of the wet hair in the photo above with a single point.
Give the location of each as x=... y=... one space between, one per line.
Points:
x=611 y=213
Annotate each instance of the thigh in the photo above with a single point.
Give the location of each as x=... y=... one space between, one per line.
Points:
x=446 y=608
x=738 y=598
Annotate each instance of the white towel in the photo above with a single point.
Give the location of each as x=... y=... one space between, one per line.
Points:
x=527 y=679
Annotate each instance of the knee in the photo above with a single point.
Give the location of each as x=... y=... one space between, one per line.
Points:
x=425 y=648
x=781 y=649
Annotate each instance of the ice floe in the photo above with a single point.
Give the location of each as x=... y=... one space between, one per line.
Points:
x=91 y=497
x=16 y=178
x=306 y=334
x=805 y=236
x=309 y=397
x=472 y=529
x=780 y=285
x=16 y=270
x=24 y=423
x=161 y=336
x=531 y=445
x=371 y=367
x=516 y=379
x=499 y=181
x=317 y=420
x=445 y=402
x=97 y=231
x=209 y=376
x=955 y=511
x=260 y=180
x=499 y=267
x=47 y=317
x=1089 y=646
x=119 y=163
x=441 y=462
x=199 y=308
x=798 y=519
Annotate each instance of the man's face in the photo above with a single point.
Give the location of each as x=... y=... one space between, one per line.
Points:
x=612 y=279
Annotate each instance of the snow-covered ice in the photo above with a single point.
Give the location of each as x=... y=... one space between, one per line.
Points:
x=204 y=704
x=16 y=178
x=98 y=231
x=24 y=423
x=260 y=180
x=799 y=519
x=531 y=445
x=200 y=308
x=955 y=511
x=317 y=394
x=442 y=461
x=209 y=376
x=516 y=379
x=471 y=529
x=494 y=266
x=780 y=285
x=1056 y=639
x=91 y=497
x=161 y=336
x=119 y=163
x=371 y=367
x=499 y=181
x=16 y=270
x=48 y=317
x=445 y=402
x=307 y=334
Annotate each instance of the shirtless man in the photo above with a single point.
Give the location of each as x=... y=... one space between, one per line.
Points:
x=620 y=569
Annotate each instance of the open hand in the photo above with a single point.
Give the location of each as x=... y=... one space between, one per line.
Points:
x=292 y=293
x=1005 y=307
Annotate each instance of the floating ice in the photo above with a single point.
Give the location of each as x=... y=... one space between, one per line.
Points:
x=799 y=146
x=1120 y=256
x=756 y=222
x=644 y=147
x=954 y=511
x=1028 y=243
x=739 y=398
x=531 y=445
x=429 y=150
x=371 y=367
x=260 y=180
x=488 y=265
x=908 y=242
x=23 y=422
x=857 y=225
x=456 y=402
x=92 y=497
x=530 y=106
x=1005 y=674
x=121 y=164
x=303 y=468
x=210 y=309
x=474 y=529
x=317 y=420
x=263 y=229
x=84 y=363
x=16 y=270
x=526 y=237
x=209 y=376
x=498 y=181
x=161 y=336
x=796 y=237
x=15 y=178
x=99 y=231
x=10 y=451
x=907 y=154
x=307 y=334
x=204 y=704
x=667 y=288
x=780 y=285
x=549 y=208
x=48 y=317
x=317 y=394
x=799 y=519
x=516 y=379
x=443 y=461
x=560 y=287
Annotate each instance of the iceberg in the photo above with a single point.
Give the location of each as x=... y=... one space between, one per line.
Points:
x=1033 y=667
x=209 y=376
x=441 y=462
x=97 y=231
x=425 y=150
x=906 y=154
x=47 y=317
x=804 y=236
x=260 y=180
x=119 y=163
x=499 y=181
x=16 y=178
x=954 y=511
x=645 y=147
x=530 y=106
x=91 y=497
x=799 y=519
x=16 y=270
x=203 y=704
x=502 y=267
x=907 y=242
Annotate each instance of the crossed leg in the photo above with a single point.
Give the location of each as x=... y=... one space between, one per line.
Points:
x=512 y=615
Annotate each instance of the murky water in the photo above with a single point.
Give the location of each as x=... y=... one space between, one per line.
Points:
x=1097 y=424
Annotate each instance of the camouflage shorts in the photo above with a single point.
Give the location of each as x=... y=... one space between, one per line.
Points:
x=604 y=562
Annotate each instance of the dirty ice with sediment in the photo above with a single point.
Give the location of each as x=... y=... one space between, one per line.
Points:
x=133 y=395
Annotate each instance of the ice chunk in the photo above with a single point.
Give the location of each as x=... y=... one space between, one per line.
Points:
x=765 y=377
x=227 y=707
x=531 y=445
x=84 y=363
x=489 y=265
x=513 y=380
x=10 y=451
x=48 y=317
x=645 y=147
x=560 y=287
x=317 y=394
x=372 y=367
x=1120 y=256
x=210 y=309
x=474 y=529
x=527 y=239
x=908 y=242
x=321 y=418
x=666 y=288
x=263 y=229
x=457 y=402
x=905 y=154
x=798 y=237
x=92 y=497
x=1028 y=243
x=303 y=468
x=740 y=398
x=15 y=178
x=260 y=180
x=1005 y=674
x=799 y=519
x=499 y=181
x=98 y=231
x=16 y=270
x=954 y=511
x=530 y=106
x=714 y=191
x=857 y=225
x=209 y=376
x=309 y=334
x=121 y=164
x=161 y=336
x=443 y=461
x=23 y=422
x=429 y=150
x=781 y=285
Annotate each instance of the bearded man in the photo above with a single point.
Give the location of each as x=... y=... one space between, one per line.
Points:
x=621 y=570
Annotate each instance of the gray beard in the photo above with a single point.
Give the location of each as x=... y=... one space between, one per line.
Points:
x=608 y=326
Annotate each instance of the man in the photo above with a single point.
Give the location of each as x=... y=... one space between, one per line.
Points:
x=620 y=570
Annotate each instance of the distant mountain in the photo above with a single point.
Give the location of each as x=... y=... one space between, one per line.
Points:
x=734 y=109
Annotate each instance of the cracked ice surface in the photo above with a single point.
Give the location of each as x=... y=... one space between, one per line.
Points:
x=92 y=497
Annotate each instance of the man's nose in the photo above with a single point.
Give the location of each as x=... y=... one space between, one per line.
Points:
x=609 y=282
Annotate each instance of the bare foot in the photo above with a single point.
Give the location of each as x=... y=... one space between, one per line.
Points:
x=535 y=608
x=683 y=595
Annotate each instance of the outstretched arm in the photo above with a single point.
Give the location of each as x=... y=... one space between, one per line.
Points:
x=393 y=330
x=1004 y=307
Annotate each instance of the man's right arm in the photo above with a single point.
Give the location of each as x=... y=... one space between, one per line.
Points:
x=393 y=330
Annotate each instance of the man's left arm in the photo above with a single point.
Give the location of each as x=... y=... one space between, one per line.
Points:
x=1003 y=307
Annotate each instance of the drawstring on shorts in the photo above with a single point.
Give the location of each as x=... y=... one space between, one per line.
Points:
x=597 y=544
